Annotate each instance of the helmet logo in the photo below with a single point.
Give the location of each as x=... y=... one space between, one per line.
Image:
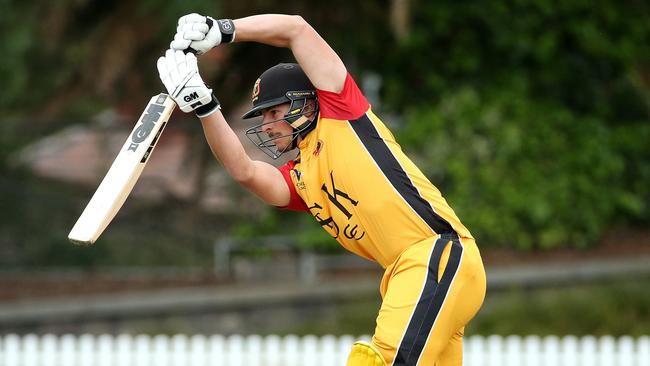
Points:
x=256 y=90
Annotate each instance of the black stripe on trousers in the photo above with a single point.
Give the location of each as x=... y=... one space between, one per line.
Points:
x=430 y=302
x=433 y=295
x=393 y=171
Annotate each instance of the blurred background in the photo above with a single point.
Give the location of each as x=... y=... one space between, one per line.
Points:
x=532 y=117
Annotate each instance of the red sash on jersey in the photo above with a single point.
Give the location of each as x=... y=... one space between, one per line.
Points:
x=349 y=104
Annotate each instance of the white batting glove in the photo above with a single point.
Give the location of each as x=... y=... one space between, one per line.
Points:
x=180 y=73
x=200 y=33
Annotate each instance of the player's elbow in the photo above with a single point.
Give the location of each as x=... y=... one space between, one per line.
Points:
x=242 y=175
x=299 y=21
x=299 y=25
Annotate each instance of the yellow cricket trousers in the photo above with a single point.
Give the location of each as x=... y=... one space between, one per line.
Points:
x=429 y=294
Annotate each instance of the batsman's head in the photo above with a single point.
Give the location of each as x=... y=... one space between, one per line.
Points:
x=286 y=100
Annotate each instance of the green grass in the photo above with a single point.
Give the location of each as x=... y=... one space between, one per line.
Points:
x=610 y=308
x=613 y=308
x=355 y=318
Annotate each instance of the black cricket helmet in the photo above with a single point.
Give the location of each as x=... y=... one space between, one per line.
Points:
x=282 y=83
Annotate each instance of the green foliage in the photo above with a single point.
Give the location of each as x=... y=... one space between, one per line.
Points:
x=530 y=115
x=18 y=38
x=631 y=141
x=573 y=51
x=618 y=308
x=302 y=229
x=519 y=172
x=37 y=215
x=57 y=44
x=615 y=309
x=351 y=317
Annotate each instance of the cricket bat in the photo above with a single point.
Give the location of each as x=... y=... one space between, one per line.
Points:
x=124 y=172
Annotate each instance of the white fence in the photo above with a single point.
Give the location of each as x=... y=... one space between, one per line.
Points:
x=180 y=350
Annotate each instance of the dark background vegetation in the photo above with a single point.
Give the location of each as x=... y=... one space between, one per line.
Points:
x=531 y=116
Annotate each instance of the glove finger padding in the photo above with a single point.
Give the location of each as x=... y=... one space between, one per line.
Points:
x=163 y=72
x=191 y=62
x=191 y=18
x=193 y=31
x=182 y=27
x=202 y=31
x=180 y=43
x=180 y=59
x=193 y=35
x=172 y=67
x=211 y=39
x=180 y=74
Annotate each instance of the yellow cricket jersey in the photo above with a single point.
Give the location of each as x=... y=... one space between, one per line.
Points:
x=356 y=181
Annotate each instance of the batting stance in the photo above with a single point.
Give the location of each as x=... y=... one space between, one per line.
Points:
x=350 y=175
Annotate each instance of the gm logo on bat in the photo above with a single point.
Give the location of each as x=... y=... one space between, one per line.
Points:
x=148 y=122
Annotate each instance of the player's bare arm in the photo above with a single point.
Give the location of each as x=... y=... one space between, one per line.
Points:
x=319 y=61
x=179 y=72
x=261 y=178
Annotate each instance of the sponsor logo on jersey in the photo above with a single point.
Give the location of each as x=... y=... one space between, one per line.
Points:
x=299 y=184
x=319 y=147
x=340 y=201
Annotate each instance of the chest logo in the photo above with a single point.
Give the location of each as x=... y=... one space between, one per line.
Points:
x=299 y=183
x=340 y=200
x=319 y=147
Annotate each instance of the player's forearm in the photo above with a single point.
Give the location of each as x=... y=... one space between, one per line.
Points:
x=226 y=147
x=272 y=29
x=319 y=61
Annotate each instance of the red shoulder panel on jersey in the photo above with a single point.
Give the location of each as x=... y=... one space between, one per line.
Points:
x=349 y=104
x=295 y=203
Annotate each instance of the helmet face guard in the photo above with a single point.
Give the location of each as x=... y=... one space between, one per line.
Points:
x=295 y=117
x=282 y=83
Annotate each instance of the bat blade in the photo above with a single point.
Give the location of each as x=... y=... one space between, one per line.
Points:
x=124 y=172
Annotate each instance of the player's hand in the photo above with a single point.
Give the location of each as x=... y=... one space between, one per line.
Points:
x=180 y=73
x=200 y=33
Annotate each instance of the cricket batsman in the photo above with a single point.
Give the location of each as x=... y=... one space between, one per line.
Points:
x=349 y=174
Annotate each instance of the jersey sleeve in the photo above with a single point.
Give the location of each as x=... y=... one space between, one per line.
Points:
x=295 y=203
x=349 y=104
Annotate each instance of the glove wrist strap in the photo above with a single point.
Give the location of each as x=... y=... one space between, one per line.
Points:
x=208 y=109
x=227 y=29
